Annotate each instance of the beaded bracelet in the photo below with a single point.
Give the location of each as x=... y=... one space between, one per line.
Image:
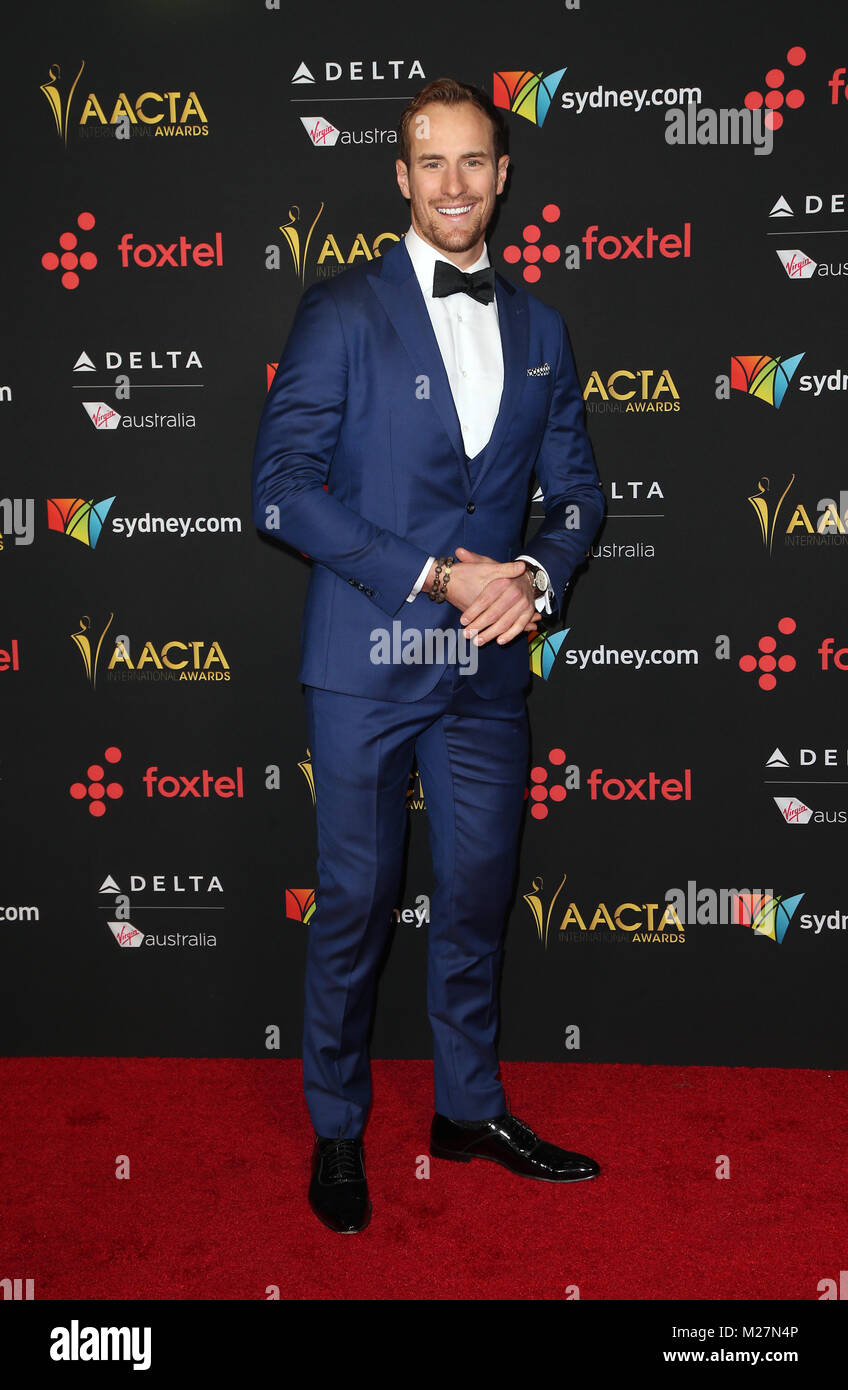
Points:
x=439 y=591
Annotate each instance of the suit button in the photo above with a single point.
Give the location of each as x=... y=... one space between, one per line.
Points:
x=351 y=581
x=470 y=507
x=369 y=592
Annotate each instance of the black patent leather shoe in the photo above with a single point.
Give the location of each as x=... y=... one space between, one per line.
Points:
x=338 y=1191
x=512 y=1144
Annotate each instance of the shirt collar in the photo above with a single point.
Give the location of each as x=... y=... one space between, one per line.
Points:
x=424 y=257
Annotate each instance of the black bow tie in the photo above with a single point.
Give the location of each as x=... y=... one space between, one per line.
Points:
x=449 y=279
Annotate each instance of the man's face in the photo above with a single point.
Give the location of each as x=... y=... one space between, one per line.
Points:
x=452 y=180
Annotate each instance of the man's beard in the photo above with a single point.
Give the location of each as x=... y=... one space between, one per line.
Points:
x=455 y=239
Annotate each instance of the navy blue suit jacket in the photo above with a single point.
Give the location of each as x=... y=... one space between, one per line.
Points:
x=361 y=402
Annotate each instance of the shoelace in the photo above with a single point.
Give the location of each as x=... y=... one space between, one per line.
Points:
x=342 y=1161
x=519 y=1132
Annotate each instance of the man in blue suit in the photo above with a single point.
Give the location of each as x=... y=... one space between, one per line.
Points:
x=424 y=391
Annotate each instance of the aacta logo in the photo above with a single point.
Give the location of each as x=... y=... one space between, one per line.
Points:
x=171 y=113
x=330 y=255
x=150 y=255
x=655 y=923
x=646 y=391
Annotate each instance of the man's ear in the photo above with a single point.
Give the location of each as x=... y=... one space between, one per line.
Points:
x=503 y=166
x=402 y=177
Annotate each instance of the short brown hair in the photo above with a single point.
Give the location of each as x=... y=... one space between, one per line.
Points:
x=451 y=93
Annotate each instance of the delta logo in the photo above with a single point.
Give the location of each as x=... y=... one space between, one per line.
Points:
x=160 y=114
x=323 y=254
x=527 y=94
x=81 y=519
x=654 y=923
x=645 y=391
x=120 y=908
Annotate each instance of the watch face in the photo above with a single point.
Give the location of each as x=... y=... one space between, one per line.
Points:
x=541 y=581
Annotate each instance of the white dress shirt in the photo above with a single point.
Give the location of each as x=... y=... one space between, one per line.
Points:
x=469 y=341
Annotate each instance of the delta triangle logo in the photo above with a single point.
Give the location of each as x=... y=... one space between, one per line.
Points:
x=109 y=885
x=781 y=209
x=84 y=363
x=777 y=759
x=303 y=74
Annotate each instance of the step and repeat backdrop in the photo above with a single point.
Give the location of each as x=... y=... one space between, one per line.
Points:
x=176 y=174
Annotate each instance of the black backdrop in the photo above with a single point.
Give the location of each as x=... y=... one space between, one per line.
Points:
x=211 y=886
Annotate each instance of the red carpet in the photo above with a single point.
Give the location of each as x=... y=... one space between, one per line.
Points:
x=215 y=1205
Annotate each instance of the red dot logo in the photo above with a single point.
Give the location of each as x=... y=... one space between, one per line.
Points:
x=774 y=97
x=540 y=792
x=534 y=251
x=96 y=789
x=766 y=661
x=70 y=259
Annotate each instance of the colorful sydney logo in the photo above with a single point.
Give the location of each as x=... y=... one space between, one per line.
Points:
x=764 y=915
x=544 y=650
x=300 y=904
x=765 y=377
x=527 y=94
x=77 y=518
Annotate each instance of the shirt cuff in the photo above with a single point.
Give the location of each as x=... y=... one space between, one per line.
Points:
x=419 y=583
x=544 y=603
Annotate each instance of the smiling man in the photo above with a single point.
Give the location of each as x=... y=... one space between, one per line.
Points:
x=425 y=392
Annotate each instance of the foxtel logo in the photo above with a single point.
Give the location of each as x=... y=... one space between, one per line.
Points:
x=204 y=786
x=649 y=788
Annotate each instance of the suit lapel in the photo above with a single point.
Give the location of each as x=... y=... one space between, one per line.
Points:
x=400 y=295
x=397 y=288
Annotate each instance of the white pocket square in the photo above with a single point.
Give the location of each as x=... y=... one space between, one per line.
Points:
x=542 y=370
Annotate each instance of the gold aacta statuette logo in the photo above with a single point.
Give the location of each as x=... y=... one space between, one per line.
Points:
x=534 y=902
x=61 y=107
x=759 y=501
x=291 y=232
x=90 y=657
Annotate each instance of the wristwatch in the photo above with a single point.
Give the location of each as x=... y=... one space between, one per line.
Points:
x=541 y=582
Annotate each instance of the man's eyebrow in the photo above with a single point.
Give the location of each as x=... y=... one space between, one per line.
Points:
x=469 y=154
